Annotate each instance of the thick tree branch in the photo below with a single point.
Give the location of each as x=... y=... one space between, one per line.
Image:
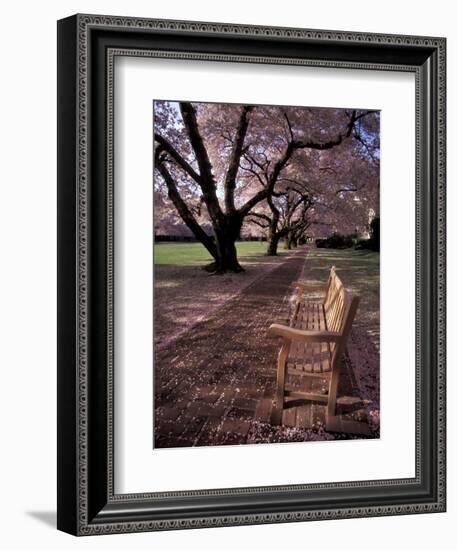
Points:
x=258 y=218
x=189 y=117
x=273 y=208
x=183 y=210
x=272 y=178
x=235 y=157
x=207 y=182
x=363 y=114
x=287 y=154
x=180 y=161
x=319 y=146
x=296 y=204
x=289 y=125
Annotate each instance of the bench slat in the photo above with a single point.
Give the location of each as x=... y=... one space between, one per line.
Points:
x=309 y=347
x=325 y=350
x=312 y=357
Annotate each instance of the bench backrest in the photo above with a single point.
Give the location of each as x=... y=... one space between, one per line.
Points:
x=340 y=307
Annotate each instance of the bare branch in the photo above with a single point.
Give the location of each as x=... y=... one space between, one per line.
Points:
x=359 y=138
x=252 y=160
x=259 y=223
x=254 y=173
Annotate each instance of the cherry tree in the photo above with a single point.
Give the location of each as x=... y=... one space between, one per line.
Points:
x=285 y=216
x=346 y=190
x=226 y=163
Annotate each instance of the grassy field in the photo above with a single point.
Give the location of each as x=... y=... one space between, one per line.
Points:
x=358 y=268
x=196 y=254
x=359 y=271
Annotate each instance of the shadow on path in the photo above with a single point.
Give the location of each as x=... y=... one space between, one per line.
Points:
x=214 y=385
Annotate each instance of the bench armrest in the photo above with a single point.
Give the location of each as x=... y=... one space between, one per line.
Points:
x=297 y=335
x=309 y=286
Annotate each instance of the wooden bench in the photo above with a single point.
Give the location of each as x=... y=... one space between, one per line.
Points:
x=313 y=345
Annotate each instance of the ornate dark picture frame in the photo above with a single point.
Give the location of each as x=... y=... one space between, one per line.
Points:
x=87 y=46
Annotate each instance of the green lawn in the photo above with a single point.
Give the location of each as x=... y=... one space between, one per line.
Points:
x=196 y=254
x=358 y=269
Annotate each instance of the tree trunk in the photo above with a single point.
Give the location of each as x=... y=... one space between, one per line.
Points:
x=226 y=255
x=273 y=234
x=227 y=259
x=273 y=242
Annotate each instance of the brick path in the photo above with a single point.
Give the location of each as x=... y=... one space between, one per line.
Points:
x=214 y=384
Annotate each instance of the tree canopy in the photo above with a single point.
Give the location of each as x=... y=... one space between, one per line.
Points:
x=283 y=170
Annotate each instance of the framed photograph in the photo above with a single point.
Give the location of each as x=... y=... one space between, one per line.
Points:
x=251 y=274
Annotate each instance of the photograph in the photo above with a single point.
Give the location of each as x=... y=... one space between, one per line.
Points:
x=266 y=284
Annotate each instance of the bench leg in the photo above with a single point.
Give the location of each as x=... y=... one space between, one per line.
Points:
x=278 y=406
x=333 y=390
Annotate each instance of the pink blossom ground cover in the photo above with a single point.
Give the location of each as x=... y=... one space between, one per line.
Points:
x=186 y=295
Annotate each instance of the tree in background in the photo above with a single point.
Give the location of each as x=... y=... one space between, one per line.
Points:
x=284 y=217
